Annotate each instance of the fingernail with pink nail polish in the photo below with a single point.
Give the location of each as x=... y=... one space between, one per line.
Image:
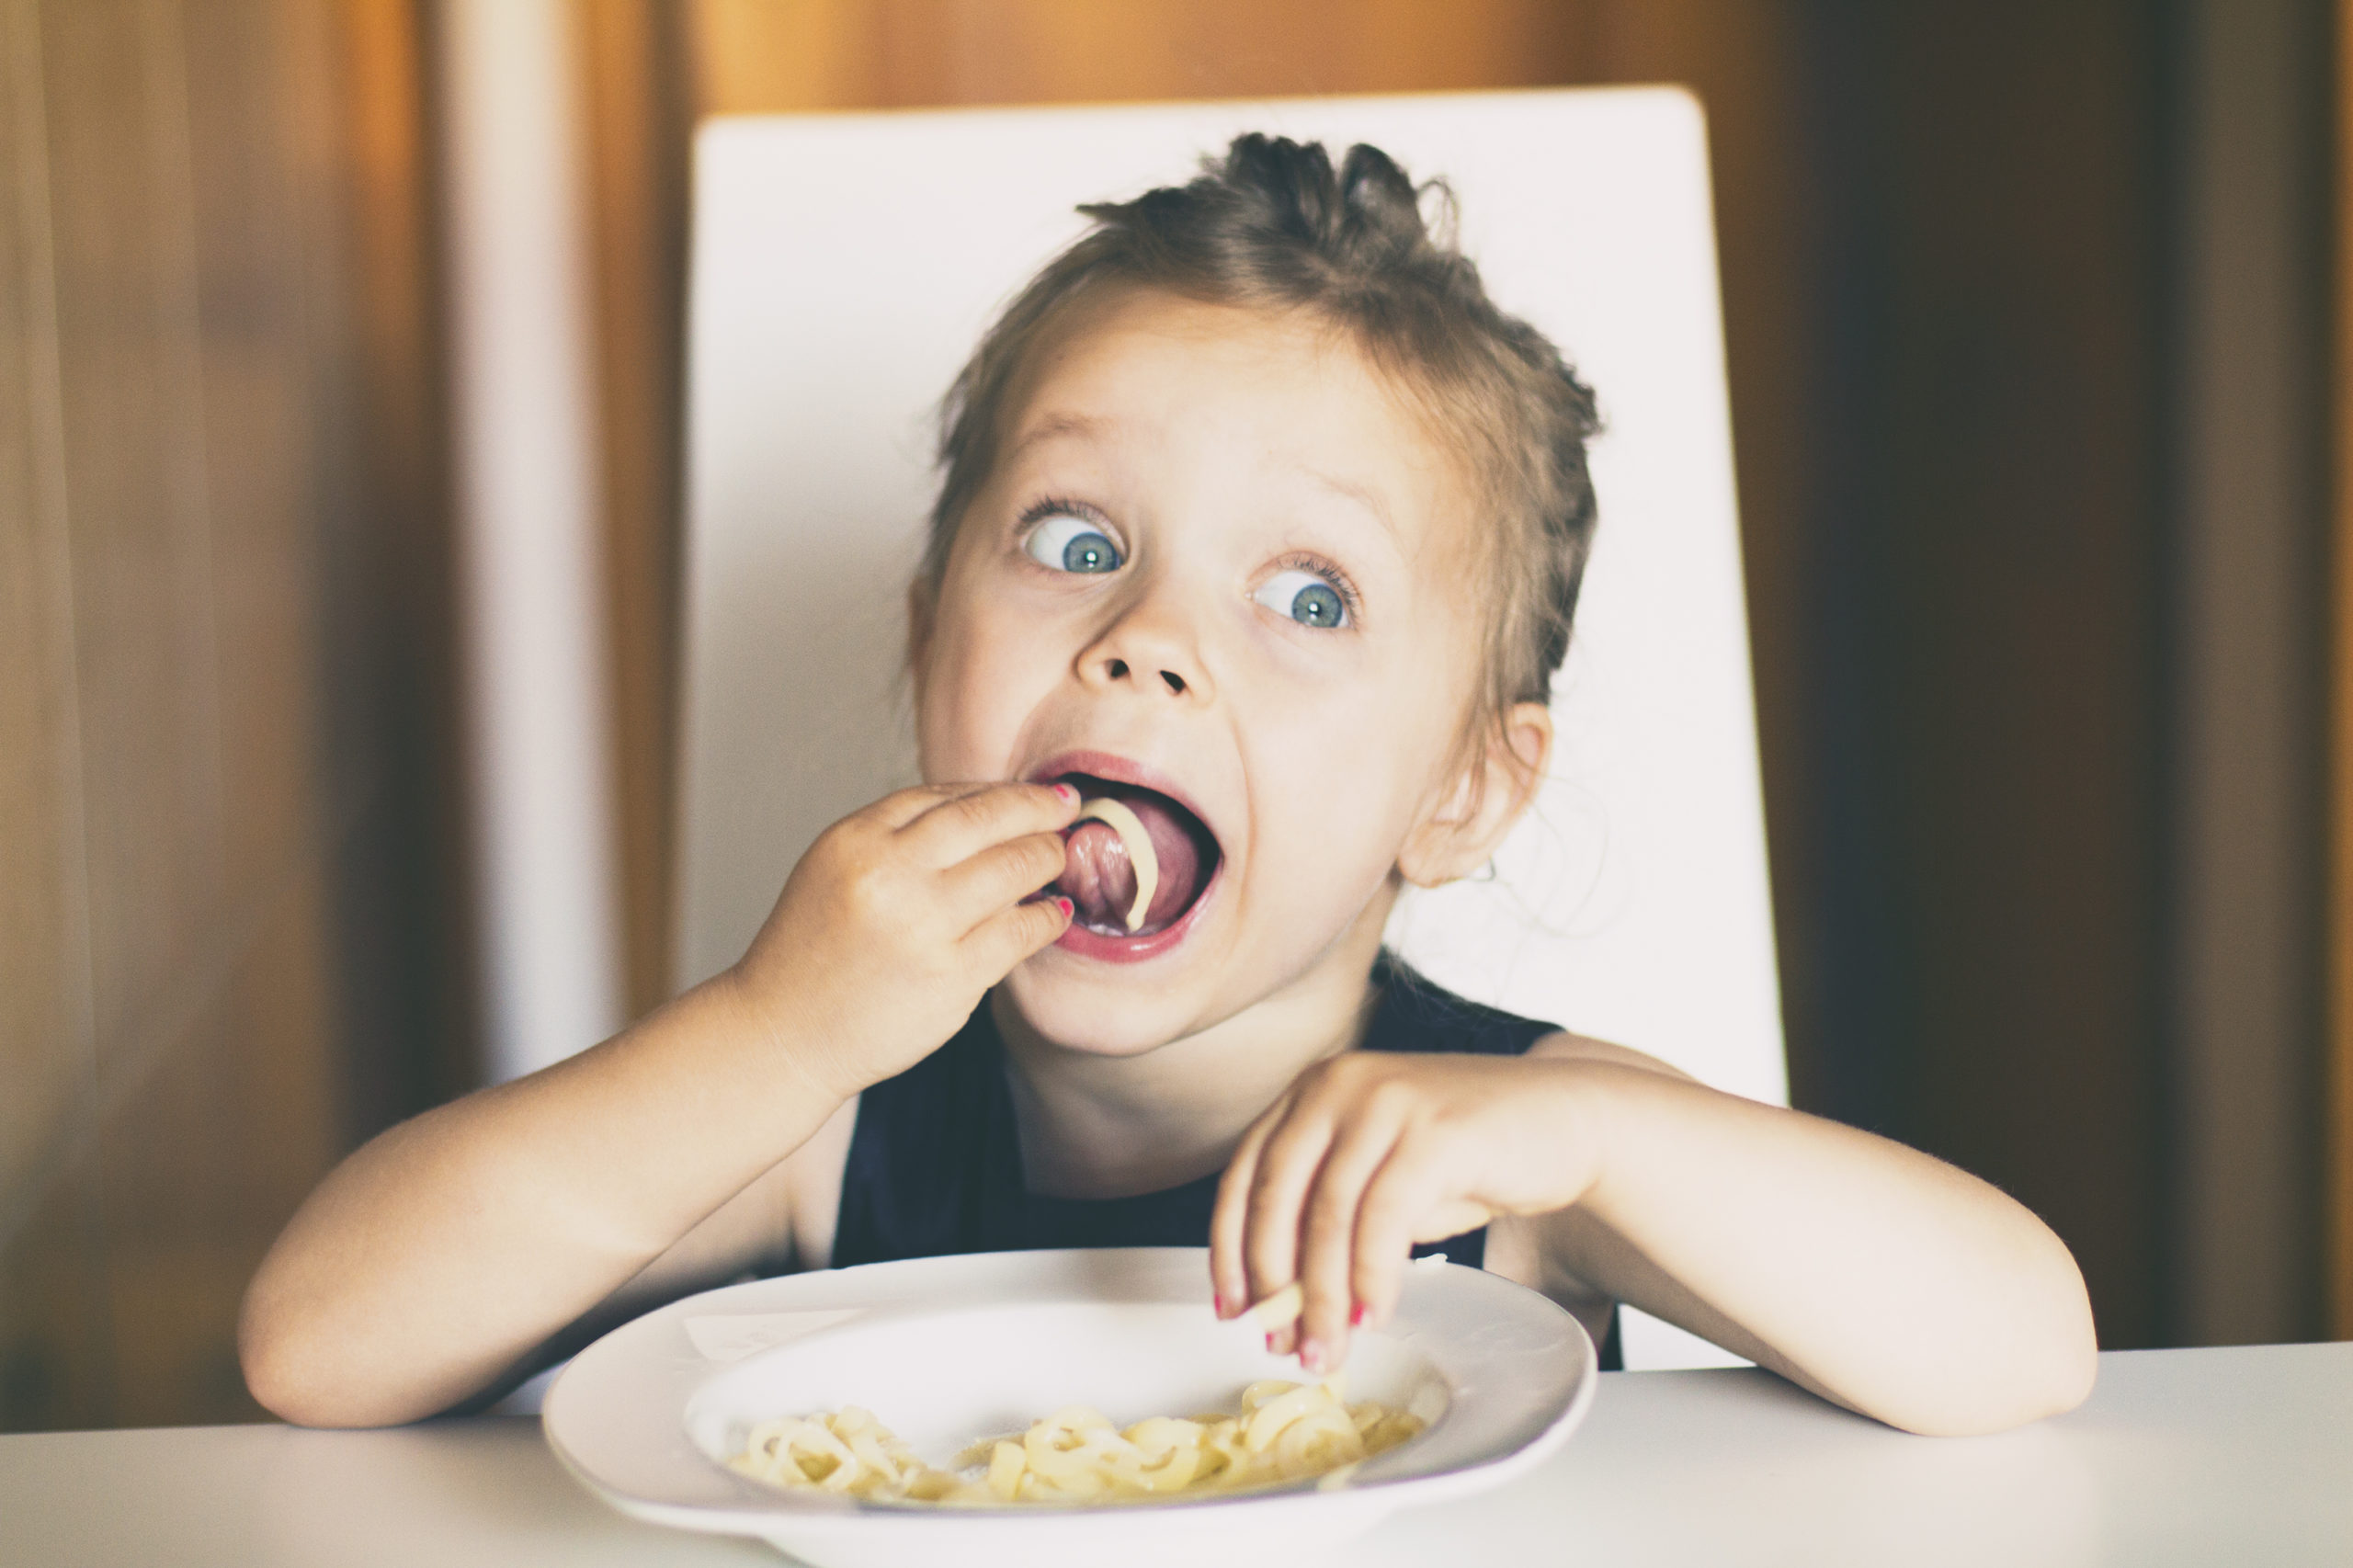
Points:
x=1357 y=1314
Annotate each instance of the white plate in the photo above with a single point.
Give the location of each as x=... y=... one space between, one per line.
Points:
x=945 y=1349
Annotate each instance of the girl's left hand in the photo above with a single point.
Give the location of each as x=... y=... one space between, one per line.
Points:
x=1370 y=1153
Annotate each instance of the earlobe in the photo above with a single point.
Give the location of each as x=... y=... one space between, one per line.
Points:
x=1484 y=801
x=1427 y=859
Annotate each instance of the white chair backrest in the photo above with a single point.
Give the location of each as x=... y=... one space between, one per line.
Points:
x=843 y=267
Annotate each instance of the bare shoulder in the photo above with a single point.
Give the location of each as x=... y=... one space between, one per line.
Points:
x=1561 y=1045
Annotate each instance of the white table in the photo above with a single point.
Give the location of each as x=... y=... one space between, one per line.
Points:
x=2181 y=1457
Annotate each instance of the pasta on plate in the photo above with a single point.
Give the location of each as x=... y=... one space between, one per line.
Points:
x=1286 y=1432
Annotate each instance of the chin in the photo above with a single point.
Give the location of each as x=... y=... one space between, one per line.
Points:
x=1097 y=1015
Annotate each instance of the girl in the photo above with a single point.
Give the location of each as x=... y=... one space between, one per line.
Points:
x=1260 y=521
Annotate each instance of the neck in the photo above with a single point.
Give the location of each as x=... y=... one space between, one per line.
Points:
x=1114 y=1126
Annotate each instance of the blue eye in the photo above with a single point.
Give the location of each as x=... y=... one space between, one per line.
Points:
x=1069 y=543
x=1305 y=597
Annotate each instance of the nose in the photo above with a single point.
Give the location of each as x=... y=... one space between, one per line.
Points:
x=1150 y=649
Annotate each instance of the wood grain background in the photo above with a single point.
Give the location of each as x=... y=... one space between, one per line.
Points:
x=227 y=948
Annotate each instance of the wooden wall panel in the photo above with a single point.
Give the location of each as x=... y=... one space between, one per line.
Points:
x=44 y=1044
x=202 y=1161
x=1989 y=604
x=222 y=550
x=770 y=55
x=2338 y=1142
x=57 y=1352
x=2245 y=616
x=634 y=68
x=52 y=1354
x=134 y=479
x=257 y=393
x=395 y=765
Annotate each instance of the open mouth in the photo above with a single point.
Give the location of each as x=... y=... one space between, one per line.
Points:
x=1100 y=876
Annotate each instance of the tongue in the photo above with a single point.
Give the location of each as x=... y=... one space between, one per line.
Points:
x=1098 y=878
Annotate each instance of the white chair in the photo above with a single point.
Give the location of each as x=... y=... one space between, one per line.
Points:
x=843 y=267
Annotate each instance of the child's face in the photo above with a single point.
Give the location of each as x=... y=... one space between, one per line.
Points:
x=1217 y=559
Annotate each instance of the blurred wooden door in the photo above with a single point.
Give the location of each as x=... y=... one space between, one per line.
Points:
x=2339 y=1100
x=226 y=938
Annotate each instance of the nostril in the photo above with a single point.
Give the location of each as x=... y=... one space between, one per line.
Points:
x=1118 y=669
x=1176 y=682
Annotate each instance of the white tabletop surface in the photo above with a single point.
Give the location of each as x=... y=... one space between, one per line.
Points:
x=2180 y=1457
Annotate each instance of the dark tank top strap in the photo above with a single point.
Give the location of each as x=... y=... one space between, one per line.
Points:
x=1416 y=1013
x=917 y=1181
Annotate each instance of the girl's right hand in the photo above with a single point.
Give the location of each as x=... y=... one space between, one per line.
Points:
x=899 y=919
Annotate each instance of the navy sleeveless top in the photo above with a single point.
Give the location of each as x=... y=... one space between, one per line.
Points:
x=934 y=1163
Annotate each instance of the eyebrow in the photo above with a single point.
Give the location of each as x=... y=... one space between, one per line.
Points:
x=1055 y=426
x=1362 y=495
x=1084 y=427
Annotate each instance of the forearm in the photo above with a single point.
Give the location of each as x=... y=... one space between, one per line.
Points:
x=441 y=1254
x=1881 y=1278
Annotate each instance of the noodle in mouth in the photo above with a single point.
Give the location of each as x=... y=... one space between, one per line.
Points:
x=1135 y=860
x=1138 y=843
x=1286 y=1432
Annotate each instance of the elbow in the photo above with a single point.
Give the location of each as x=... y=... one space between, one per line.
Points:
x=2051 y=1385
x=280 y=1392
x=2056 y=1342
x=283 y=1374
x=293 y=1370
x=2037 y=1360
x=2010 y=1398
x=305 y=1390
x=2068 y=1363
x=273 y=1371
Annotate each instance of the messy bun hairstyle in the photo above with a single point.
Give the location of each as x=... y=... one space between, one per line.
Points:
x=1271 y=225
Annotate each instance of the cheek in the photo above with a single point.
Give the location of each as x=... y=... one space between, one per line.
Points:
x=1356 y=769
x=979 y=683
x=1338 y=781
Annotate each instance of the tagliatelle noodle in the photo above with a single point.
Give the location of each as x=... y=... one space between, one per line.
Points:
x=1141 y=854
x=1282 y=1308
x=1286 y=1432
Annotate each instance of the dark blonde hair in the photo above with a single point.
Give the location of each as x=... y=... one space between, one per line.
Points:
x=1273 y=226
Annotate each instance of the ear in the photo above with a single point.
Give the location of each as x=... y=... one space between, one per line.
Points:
x=1483 y=801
